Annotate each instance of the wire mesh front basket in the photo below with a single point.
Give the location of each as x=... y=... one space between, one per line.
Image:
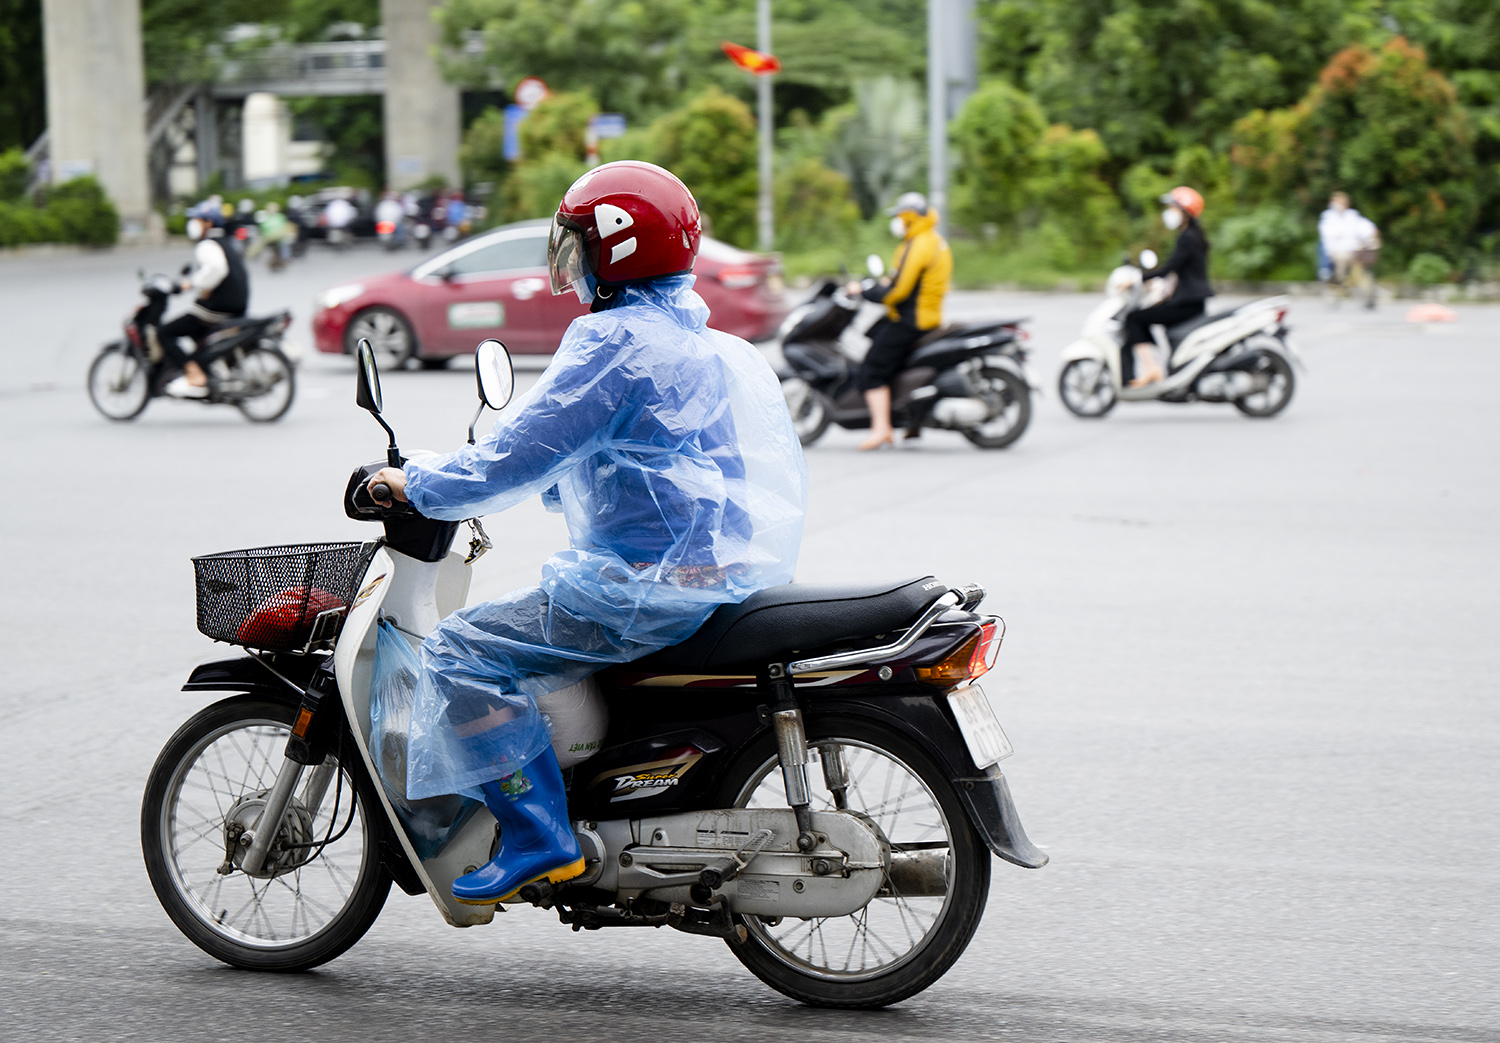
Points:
x=280 y=599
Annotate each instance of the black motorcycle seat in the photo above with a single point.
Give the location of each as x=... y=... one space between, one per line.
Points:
x=771 y=624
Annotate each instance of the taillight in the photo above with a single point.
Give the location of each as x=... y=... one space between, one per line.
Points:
x=739 y=277
x=1280 y=314
x=969 y=661
x=385 y=228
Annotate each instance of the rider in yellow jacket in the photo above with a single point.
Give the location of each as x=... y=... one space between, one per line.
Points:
x=913 y=300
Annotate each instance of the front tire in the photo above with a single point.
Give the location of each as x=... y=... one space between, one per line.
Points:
x=842 y=961
x=119 y=383
x=389 y=333
x=1086 y=388
x=317 y=902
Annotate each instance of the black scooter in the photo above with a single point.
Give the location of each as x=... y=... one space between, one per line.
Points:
x=968 y=377
x=243 y=358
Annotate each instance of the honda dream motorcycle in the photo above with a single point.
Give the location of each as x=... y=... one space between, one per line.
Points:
x=812 y=777
x=1243 y=356
x=244 y=359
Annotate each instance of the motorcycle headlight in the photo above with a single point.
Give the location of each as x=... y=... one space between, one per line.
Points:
x=339 y=295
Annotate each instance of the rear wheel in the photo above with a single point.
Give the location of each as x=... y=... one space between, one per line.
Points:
x=267 y=383
x=810 y=413
x=441 y=363
x=389 y=334
x=119 y=383
x=1010 y=399
x=898 y=944
x=323 y=883
x=1086 y=388
x=1275 y=372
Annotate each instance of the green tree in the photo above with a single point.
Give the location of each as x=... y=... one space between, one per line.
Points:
x=995 y=139
x=23 y=103
x=1384 y=127
x=1078 y=213
x=877 y=142
x=814 y=207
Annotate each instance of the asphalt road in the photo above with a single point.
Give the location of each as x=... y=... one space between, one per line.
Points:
x=1250 y=675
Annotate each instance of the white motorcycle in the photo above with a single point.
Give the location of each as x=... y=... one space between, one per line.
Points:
x=271 y=837
x=1244 y=356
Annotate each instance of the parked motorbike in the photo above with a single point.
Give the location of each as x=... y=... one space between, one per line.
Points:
x=1244 y=356
x=813 y=777
x=244 y=358
x=969 y=377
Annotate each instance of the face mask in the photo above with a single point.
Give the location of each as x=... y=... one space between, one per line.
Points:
x=898 y=227
x=1172 y=218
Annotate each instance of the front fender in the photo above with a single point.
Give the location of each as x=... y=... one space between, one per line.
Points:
x=249 y=674
x=1083 y=348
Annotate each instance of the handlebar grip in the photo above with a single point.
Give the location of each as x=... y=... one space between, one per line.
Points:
x=381 y=491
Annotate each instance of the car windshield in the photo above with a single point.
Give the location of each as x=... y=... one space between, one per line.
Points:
x=517 y=252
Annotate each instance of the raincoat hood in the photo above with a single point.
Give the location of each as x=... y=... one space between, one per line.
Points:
x=919 y=223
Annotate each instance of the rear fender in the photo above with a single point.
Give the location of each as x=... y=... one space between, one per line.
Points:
x=985 y=795
x=1013 y=365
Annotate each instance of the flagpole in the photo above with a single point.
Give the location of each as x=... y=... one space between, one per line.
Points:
x=764 y=221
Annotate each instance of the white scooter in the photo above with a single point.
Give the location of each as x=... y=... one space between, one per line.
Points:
x=829 y=812
x=1243 y=356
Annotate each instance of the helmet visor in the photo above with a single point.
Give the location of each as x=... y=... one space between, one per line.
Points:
x=566 y=262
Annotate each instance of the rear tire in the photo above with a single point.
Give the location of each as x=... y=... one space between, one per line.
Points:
x=1004 y=429
x=936 y=818
x=1281 y=383
x=119 y=383
x=222 y=758
x=810 y=410
x=435 y=364
x=268 y=373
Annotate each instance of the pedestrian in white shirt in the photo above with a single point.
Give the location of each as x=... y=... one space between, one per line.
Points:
x=1350 y=240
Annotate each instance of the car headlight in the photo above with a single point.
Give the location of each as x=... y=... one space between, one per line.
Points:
x=339 y=295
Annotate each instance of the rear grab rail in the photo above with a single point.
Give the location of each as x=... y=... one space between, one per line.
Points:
x=963 y=597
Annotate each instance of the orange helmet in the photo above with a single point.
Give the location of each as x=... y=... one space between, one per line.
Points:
x=1186 y=198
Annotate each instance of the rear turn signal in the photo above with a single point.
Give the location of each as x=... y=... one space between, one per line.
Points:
x=969 y=661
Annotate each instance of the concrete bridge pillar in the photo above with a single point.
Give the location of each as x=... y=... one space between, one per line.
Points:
x=421 y=108
x=96 y=89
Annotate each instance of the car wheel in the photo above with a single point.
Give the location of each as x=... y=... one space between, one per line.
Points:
x=389 y=334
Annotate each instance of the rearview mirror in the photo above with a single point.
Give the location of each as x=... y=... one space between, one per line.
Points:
x=1149 y=258
x=367 y=379
x=875 y=266
x=496 y=378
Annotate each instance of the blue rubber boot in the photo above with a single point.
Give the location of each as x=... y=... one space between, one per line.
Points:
x=536 y=840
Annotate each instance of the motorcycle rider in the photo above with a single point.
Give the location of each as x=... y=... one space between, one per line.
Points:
x=913 y=300
x=1189 y=262
x=222 y=282
x=668 y=448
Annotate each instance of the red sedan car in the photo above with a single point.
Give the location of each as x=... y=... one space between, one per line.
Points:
x=495 y=285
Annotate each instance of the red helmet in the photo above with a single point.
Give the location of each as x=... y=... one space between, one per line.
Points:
x=622 y=222
x=1186 y=199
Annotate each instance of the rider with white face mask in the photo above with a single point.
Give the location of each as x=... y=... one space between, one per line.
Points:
x=1189 y=263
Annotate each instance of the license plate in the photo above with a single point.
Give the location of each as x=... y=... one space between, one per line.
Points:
x=979 y=726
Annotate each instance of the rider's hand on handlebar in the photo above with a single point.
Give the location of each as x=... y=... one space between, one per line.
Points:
x=853 y=289
x=392 y=477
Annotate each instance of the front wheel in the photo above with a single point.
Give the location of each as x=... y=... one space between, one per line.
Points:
x=898 y=944
x=1273 y=374
x=322 y=884
x=119 y=383
x=266 y=385
x=1087 y=388
x=1009 y=399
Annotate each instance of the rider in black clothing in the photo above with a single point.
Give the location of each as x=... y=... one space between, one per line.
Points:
x=1189 y=262
x=222 y=283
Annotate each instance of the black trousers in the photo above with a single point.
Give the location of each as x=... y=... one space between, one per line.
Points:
x=1138 y=328
x=890 y=343
x=188 y=325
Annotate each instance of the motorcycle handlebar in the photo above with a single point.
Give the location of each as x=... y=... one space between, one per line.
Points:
x=381 y=491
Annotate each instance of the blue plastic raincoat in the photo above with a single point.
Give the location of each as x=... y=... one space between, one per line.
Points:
x=669 y=449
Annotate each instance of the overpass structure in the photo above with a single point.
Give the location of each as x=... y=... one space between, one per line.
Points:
x=101 y=120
